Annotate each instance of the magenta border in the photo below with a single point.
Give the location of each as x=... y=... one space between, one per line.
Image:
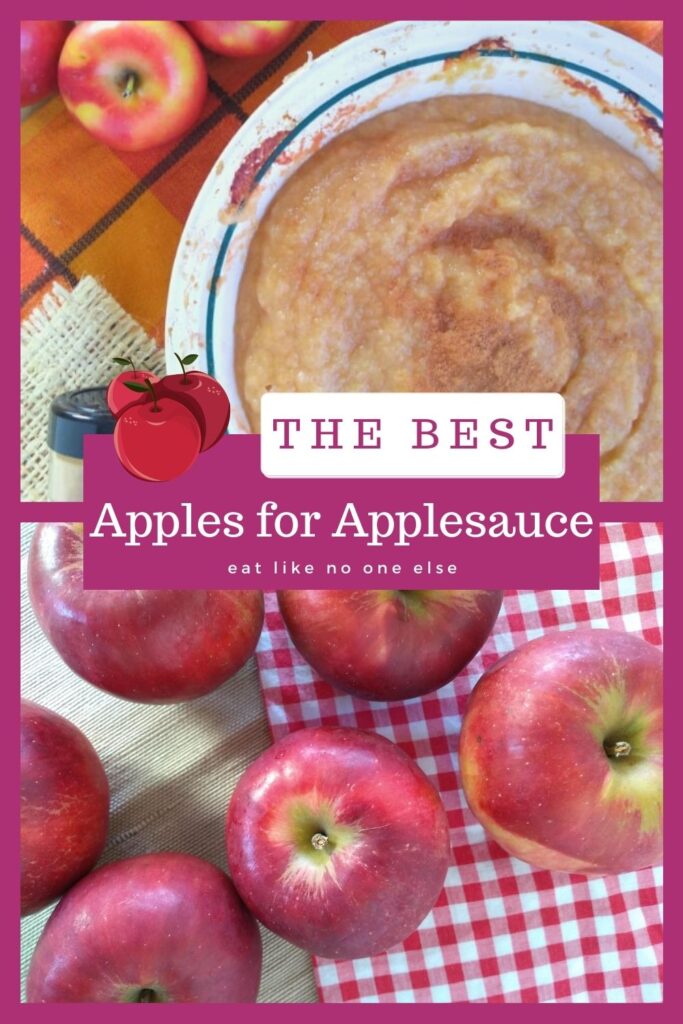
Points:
x=12 y=512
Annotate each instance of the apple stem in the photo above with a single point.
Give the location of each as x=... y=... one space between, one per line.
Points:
x=622 y=748
x=319 y=841
x=146 y=996
x=129 y=87
x=123 y=360
x=150 y=387
x=182 y=367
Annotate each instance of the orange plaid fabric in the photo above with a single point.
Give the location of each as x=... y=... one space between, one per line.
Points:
x=87 y=209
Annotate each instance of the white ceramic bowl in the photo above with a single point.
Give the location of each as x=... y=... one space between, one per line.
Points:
x=605 y=78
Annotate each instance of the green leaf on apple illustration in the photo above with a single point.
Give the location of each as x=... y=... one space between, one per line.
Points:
x=185 y=361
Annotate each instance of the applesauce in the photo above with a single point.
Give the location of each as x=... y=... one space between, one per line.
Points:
x=468 y=243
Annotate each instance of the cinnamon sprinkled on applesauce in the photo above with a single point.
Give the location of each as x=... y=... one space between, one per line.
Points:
x=468 y=243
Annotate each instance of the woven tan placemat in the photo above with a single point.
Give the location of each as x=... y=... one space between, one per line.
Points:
x=171 y=771
x=68 y=343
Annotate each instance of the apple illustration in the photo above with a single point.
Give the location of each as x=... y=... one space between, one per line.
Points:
x=158 y=438
x=154 y=646
x=133 y=84
x=40 y=44
x=561 y=752
x=202 y=395
x=159 y=928
x=337 y=841
x=242 y=38
x=389 y=644
x=64 y=806
x=119 y=396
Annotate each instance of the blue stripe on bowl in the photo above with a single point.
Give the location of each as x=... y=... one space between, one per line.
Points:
x=540 y=58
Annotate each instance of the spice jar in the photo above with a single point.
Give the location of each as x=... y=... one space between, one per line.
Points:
x=73 y=416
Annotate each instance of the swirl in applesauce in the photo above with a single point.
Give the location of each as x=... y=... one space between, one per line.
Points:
x=468 y=243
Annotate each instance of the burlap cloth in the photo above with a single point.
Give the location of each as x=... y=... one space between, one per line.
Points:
x=68 y=343
x=171 y=771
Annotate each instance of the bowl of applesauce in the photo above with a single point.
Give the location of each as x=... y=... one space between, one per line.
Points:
x=444 y=206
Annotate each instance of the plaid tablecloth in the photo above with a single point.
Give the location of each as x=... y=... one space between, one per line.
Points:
x=86 y=209
x=501 y=931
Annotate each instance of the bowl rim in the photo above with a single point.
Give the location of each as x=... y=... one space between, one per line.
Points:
x=334 y=56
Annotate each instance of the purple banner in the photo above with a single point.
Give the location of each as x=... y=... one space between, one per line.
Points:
x=224 y=525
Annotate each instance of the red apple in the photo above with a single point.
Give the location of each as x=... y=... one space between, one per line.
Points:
x=337 y=841
x=40 y=44
x=242 y=38
x=561 y=752
x=155 y=646
x=160 y=928
x=64 y=806
x=119 y=397
x=389 y=644
x=133 y=84
x=203 y=396
x=157 y=439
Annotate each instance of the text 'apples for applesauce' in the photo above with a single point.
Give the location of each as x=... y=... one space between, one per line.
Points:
x=64 y=806
x=389 y=644
x=561 y=752
x=153 y=646
x=160 y=928
x=337 y=841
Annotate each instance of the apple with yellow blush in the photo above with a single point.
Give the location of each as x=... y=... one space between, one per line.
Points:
x=561 y=752
x=133 y=84
x=242 y=38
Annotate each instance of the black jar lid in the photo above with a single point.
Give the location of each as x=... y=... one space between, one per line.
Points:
x=75 y=414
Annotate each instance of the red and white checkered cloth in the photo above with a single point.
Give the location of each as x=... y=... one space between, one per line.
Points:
x=501 y=930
